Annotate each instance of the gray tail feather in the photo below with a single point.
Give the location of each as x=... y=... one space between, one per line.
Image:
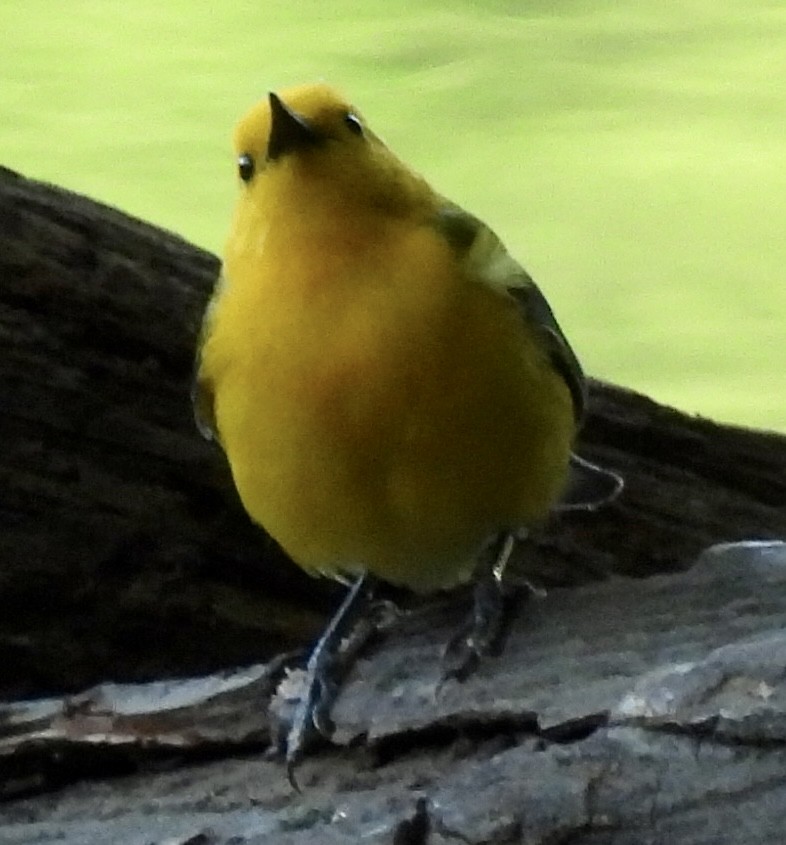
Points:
x=589 y=486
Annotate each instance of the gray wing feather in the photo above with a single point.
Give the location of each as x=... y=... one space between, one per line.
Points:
x=538 y=311
x=488 y=260
x=588 y=486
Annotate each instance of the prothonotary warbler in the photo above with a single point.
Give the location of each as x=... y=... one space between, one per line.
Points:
x=391 y=389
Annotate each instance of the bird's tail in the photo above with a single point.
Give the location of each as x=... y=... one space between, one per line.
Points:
x=589 y=486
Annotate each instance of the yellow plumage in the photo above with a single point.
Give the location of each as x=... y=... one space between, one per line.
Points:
x=388 y=384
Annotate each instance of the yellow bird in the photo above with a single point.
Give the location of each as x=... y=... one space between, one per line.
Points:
x=390 y=387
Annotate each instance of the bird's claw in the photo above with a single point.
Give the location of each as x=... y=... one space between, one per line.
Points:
x=308 y=720
x=482 y=635
x=463 y=653
x=311 y=718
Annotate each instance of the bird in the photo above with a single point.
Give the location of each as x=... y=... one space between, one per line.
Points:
x=394 y=396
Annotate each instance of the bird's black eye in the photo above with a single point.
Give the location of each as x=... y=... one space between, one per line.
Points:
x=245 y=166
x=353 y=123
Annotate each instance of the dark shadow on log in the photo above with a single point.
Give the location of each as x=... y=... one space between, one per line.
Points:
x=123 y=550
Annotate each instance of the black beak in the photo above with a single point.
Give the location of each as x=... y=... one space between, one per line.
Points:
x=288 y=131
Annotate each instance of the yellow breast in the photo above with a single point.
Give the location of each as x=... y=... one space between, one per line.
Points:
x=380 y=410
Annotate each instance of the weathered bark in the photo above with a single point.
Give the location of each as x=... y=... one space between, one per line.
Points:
x=622 y=713
x=123 y=550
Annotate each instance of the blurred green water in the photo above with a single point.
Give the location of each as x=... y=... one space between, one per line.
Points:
x=632 y=154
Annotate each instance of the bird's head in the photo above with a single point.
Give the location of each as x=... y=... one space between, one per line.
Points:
x=308 y=143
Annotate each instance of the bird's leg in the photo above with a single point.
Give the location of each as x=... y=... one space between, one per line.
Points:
x=484 y=631
x=324 y=672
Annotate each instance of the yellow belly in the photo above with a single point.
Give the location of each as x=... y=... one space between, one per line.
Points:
x=393 y=429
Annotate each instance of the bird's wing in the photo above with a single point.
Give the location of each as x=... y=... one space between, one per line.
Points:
x=488 y=260
x=588 y=485
x=202 y=396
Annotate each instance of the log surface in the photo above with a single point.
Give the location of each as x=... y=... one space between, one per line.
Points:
x=621 y=712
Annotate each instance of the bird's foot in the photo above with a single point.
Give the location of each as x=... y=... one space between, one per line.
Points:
x=309 y=719
x=482 y=635
x=484 y=632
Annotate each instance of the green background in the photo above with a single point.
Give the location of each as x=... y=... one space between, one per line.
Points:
x=632 y=154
